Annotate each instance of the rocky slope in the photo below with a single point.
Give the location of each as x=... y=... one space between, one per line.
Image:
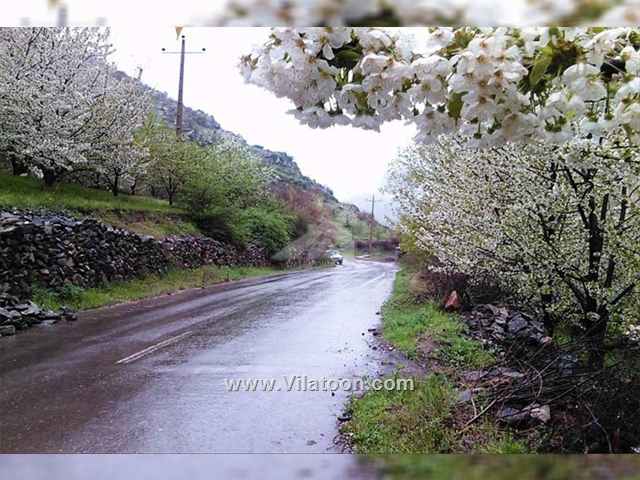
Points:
x=204 y=129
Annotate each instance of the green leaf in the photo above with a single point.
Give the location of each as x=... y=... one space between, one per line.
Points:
x=347 y=58
x=455 y=105
x=539 y=70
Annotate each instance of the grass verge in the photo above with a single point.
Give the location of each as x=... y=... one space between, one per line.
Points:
x=118 y=292
x=138 y=214
x=522 y=467
x=33 y=193
x=426 y=419
x=155 y=224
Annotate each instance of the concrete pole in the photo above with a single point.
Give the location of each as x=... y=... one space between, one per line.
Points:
x=180 y=91
x=63 y=16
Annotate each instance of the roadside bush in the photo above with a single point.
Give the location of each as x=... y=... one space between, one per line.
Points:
x=219 y=224
x=229 y=176
x=265 y=228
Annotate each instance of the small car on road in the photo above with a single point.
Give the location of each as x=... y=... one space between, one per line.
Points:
x=336 y=257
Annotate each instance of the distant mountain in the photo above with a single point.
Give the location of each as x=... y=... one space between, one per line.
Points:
x=203 y=128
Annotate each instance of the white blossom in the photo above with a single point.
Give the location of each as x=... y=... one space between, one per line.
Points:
x=338 y=13
x=514 y=212
x=485 y=79
x=61 y=103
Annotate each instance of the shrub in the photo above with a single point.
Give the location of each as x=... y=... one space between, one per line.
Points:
x=265 y=228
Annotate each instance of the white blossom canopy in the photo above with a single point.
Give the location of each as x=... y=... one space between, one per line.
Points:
x=491 y=84
x=62 y=103
x=337 y=13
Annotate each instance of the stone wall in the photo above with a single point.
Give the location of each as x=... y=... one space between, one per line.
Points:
x=189 y=251
x=51 y=249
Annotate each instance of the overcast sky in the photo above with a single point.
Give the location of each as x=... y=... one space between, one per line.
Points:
x=349 y=161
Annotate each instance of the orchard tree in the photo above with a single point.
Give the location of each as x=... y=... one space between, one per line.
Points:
x=349 y=213
x=557 y=224
x=59 y=102
x=117 y=153
x=173 y=161
x=227 y=194
x=229 y=177
x=44 y=84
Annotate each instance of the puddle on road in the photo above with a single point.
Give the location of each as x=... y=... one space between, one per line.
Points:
x=185 y=467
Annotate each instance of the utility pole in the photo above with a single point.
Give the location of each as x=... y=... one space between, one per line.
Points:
x=63 y=17
x=182 y=53
x=373 y=203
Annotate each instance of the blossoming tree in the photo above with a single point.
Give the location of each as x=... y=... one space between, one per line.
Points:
x=61 y=106
x=118 y=111
x=557 y=224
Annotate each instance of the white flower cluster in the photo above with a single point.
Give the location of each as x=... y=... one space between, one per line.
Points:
x=633 y=333
x=62 y=103
x=492 y=84
x=337 y=13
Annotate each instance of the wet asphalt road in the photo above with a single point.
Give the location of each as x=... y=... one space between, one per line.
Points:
x=187 y=467
x=150 y=376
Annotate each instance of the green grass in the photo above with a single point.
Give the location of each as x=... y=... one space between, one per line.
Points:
x=425 y=419
x=139 y=214
x=421 y=420
x=32 y=193
x=151 y=286
x=529 y=467
x=408 y=323
x=155 y=224
x=343 y=235
x=403 y=421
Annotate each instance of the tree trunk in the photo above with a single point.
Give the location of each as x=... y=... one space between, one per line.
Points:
x=596 y=333
x=547 y=319
x=170 y=194
x=17 y=166
x=597 y=351
x=49 y=176
x=114 y=185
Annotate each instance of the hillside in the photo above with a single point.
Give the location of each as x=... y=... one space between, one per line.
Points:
x=204 y=129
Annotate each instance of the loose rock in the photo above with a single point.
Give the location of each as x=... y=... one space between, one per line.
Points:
x=541 y=413
x=7 y=330
x=517 y=323
x=512 y=415
x=453 y=302
x=474 y=376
